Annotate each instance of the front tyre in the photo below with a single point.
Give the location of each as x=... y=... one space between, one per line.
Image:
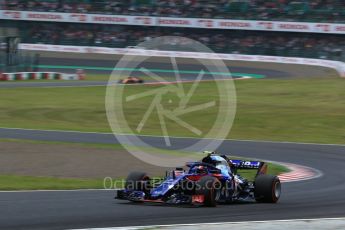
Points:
x=138 y=181
x=209 y=187
x=267 y=189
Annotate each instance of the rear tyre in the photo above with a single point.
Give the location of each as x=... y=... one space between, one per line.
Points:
x=267 y=189
x=209 y=187
x=138 y=181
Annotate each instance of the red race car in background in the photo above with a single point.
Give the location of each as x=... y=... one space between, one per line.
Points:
x=131 y=80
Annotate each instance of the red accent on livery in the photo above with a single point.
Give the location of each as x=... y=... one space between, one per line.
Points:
x=194 y=177
x=198 y=199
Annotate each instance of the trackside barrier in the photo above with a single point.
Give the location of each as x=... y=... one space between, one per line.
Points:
x=40 y=76
x=337 y=65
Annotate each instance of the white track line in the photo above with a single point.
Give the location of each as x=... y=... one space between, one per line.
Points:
x=62 y=190
x=23 y=84
x=177 y=137
x=210 y=225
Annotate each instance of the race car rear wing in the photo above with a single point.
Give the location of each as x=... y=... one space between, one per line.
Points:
x=260 y=166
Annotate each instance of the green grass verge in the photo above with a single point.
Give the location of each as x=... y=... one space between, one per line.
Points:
x=151 y=150
x=301 y=110
x=273 y=169
x=14 y=182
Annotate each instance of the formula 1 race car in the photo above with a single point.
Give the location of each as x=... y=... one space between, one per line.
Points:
x=131 y=80
x=211 y=181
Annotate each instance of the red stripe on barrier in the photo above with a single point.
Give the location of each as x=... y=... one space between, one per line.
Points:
x=3 y=77
x=18 y=76
x=32 y=76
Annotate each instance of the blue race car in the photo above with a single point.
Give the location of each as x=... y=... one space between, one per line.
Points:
x=208 y=182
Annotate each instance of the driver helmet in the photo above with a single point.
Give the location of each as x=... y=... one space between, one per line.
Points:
x=217 y=161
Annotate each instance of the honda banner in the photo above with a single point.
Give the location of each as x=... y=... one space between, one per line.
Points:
x=175 y=22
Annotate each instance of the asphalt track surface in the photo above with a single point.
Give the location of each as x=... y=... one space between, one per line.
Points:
x=90 y=64
x=106 y=66
x=320 y=197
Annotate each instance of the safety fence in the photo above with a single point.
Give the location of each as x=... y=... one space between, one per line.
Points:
x=336 y=65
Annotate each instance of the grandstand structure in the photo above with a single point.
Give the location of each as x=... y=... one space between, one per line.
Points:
x=11 y=58
x=299 y=28
x=285 y=10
